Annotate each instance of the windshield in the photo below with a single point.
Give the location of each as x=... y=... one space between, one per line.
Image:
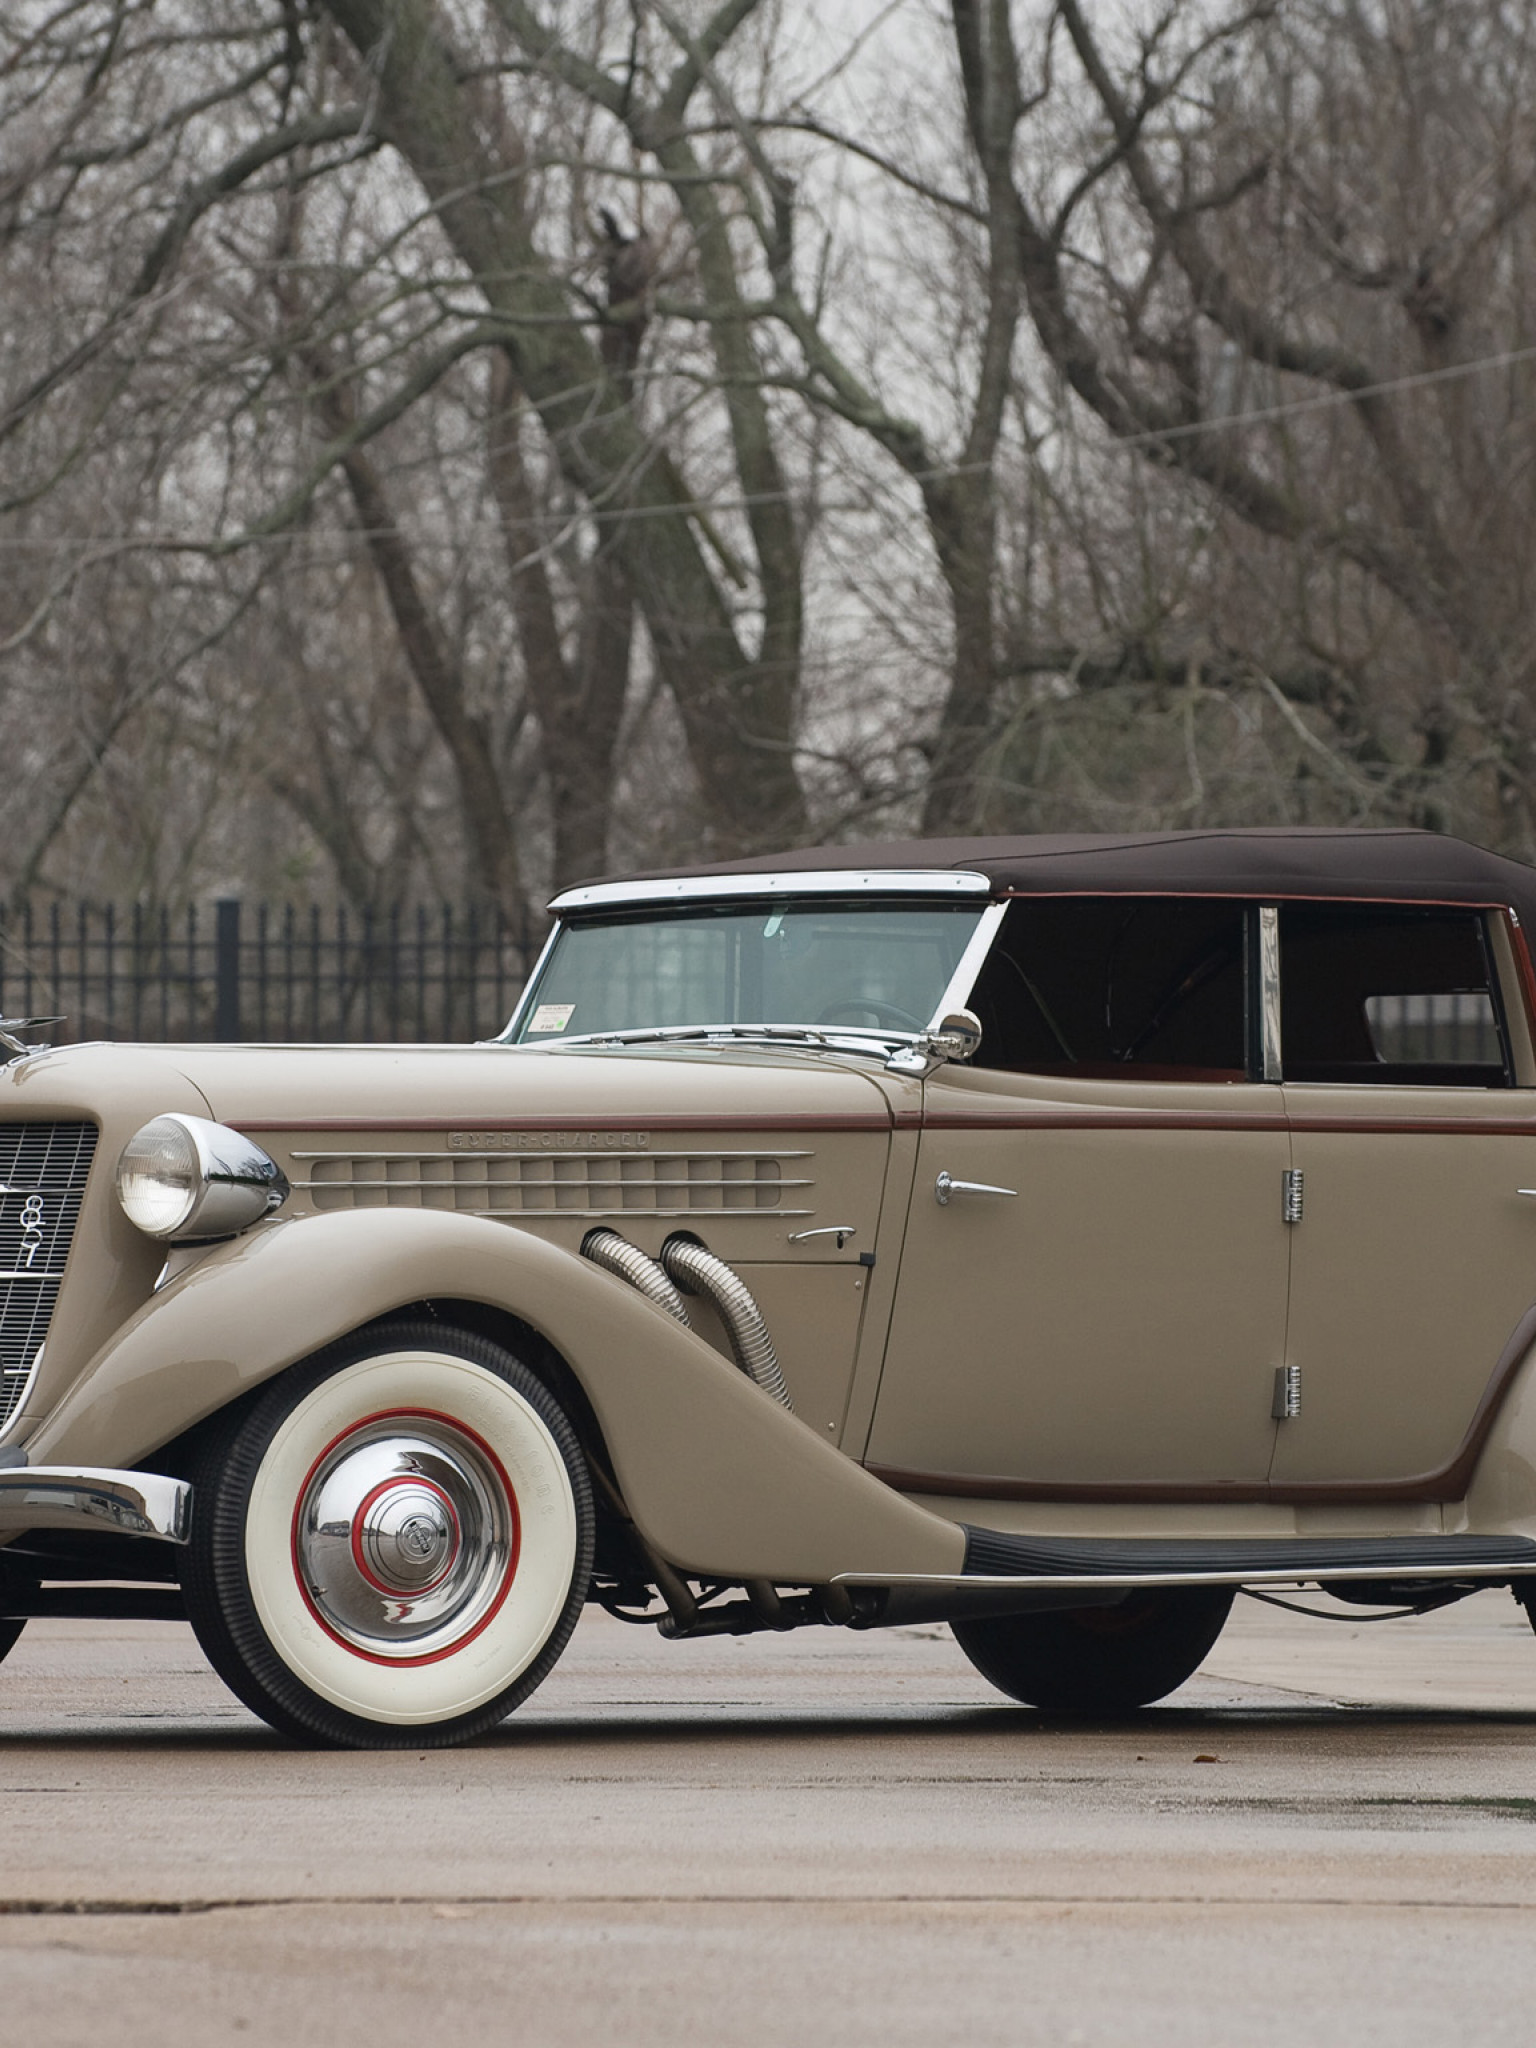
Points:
x=864 y=966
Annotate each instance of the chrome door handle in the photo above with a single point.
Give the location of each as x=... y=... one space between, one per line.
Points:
x=946 y=1186
x=837 y=1230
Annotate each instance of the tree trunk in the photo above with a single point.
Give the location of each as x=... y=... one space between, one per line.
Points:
x=731 y=706
x=578 y=703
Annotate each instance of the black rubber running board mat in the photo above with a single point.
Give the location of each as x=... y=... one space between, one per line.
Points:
x=990 y=1553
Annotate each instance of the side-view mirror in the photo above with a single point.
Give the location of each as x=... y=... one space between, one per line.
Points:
x=956 y=1036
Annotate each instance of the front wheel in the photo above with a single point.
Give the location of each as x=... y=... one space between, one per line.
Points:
x=1099 y=1660
x=391 y=1547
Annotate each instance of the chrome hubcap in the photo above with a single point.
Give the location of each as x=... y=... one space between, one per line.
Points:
x=405 y=1537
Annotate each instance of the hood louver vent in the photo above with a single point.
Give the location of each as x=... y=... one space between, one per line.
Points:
x=595 y=1183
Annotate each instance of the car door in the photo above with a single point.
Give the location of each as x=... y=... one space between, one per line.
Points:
x=1414 y=1259
x=1102 y=1309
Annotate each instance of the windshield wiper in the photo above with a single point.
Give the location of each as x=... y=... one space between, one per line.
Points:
x=845 y=1040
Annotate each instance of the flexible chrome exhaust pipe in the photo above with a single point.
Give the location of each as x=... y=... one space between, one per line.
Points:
x=616 y=1254
x=697 y=1271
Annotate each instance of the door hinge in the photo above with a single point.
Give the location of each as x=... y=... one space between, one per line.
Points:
x=1287 y=1401
x=1291 y=1191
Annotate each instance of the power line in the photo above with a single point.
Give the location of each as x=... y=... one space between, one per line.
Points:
x=1320 y=400
x=168 y=542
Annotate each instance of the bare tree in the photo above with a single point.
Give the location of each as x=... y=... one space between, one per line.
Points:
x=517 y=438
x=1286 y=277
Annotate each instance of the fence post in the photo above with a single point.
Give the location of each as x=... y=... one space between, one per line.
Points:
x=226 y=1015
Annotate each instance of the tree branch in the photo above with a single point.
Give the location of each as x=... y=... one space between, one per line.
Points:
x=168 y=244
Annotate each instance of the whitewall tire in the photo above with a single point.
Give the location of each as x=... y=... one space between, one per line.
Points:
x=391 y=1546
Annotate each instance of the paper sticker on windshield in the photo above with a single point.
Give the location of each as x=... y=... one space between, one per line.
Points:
x=551 y=1016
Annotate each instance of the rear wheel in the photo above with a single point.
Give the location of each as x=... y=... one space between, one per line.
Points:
x=1099 y=1660
x=391 y=1547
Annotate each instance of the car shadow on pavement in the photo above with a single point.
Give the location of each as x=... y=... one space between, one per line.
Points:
x=682 y=1725
x=693 y=1727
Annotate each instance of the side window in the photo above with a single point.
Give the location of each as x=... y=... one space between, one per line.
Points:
x=1103 y=986
x=1401 y=997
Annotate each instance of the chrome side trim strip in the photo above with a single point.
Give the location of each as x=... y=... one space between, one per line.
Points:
x=534 y=1150
x=1289 y=1575
x=819 y=882
x=595 y=1180
x=553 y=1211
x=67 y=1497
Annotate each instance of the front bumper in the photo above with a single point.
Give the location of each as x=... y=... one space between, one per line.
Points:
x=89 y=1497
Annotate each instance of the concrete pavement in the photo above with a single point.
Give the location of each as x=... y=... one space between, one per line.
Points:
x=1329 y=1836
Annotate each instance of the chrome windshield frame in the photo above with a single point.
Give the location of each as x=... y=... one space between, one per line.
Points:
x=508 y=1033
x=817 y=882
x=968 y=967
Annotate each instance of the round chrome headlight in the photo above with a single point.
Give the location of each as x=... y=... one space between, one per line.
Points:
x=185 y=1178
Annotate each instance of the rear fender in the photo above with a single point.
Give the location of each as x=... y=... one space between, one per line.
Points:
x=1502 y=1493
x=718 y=1477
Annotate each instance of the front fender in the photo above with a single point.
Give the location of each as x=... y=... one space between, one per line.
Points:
x=719 y=1478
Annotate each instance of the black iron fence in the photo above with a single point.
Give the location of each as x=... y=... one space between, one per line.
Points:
x=236 y=970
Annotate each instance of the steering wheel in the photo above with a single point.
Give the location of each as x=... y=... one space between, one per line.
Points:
x=883 y=1013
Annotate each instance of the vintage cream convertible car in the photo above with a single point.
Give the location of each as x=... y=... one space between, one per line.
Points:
x=1048 y=1236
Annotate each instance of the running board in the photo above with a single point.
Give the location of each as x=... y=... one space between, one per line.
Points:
x=1044 y=1564
x=93 y=1603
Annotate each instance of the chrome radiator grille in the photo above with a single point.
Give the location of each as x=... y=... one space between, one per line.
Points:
x=43 y=1169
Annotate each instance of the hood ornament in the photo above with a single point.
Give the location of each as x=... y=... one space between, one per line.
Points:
x=9 y=1026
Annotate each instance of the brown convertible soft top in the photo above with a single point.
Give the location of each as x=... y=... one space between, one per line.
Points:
x=1397 y=864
